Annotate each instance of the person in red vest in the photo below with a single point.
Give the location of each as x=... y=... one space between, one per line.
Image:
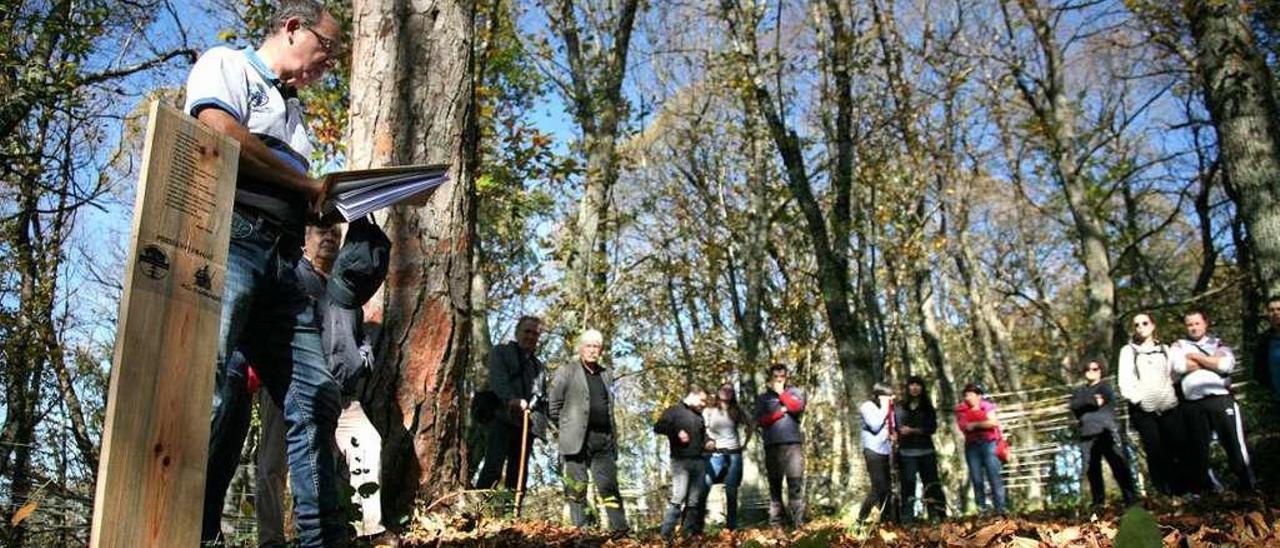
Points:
x=976 y=417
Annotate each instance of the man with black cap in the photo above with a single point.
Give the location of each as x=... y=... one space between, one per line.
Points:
x=877 y=436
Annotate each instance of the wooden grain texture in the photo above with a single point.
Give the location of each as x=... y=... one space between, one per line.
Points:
x=151 y=476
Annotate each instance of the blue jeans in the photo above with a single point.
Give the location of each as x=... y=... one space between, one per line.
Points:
x=269 y=321
x=984 y=468
x=726 y=468
x=688 y=495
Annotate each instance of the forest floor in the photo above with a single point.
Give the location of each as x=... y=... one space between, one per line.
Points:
x=1212 y=521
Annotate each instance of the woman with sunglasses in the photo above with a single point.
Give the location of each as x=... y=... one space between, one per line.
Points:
x=1094 y=406
x=1145 y=377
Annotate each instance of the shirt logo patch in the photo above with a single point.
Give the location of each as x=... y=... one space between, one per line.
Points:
x=258 y=98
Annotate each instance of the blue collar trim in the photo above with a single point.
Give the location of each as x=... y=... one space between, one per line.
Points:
x=260 y=66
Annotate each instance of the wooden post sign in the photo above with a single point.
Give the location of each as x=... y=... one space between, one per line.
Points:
x=151 y=475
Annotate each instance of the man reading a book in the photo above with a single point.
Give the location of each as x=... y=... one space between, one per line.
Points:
x=250 y=96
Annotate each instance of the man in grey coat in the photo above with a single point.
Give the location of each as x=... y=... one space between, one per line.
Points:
x=517 y=377
x=582 y=408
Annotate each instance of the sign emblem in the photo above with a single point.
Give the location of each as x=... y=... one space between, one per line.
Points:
x=204 y=280
x=154 y=262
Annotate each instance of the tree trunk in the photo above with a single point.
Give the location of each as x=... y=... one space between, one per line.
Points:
x=752 y=327
x=1239 y=91
x=594 y=93
x=1056 y=121
x=411 y=103
x=933 y=344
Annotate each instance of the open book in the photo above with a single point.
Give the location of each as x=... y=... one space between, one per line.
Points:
x=359 y=192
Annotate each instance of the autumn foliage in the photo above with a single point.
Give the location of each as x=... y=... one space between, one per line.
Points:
x=1216 y=522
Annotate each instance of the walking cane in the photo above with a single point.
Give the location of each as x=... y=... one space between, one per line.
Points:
x=524 y=463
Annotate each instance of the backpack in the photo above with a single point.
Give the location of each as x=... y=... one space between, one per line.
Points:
x=484 y=406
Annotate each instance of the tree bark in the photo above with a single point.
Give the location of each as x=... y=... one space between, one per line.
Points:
x=1055 y=118
x=856 y=358
x=1239 y=92
x=594 y=94
x=412 y=102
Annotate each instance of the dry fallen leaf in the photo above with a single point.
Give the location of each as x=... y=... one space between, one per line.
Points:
x=23 y=513
x=989 y=533
x=1065 y=536
x=1258 y=523
x=1023 y=542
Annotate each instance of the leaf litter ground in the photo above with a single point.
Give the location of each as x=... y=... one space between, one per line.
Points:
x=1211 y=522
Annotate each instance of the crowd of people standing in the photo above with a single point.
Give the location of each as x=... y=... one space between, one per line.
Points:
x=1179 y=399
x=291 y=305
x=1178 y=396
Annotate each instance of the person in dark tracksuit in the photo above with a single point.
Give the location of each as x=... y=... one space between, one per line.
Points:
x=581 y=405
x=917 y=420
x=778 y=412
x=1094 y=405
x=1205 y=364
x=684 y=428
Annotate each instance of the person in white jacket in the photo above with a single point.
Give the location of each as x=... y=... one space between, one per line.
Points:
x=1205 y=364
x=877 y=436
x=1145 y=378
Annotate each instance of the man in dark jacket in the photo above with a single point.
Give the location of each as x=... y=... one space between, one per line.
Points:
x=684 y=428
x=517 y=377
x=1094 y=406
x=778 y=413
x=917 y=421
x=340 y=282
x=581 y=406
x=1266 y=355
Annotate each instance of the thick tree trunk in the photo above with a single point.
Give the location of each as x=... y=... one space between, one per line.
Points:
x=933 y=345
x=752 y=326
x=852 y=352
x=1239 y=91
x=589 y=266
x=1056 y=119
x=411 y=102
x=594 y=93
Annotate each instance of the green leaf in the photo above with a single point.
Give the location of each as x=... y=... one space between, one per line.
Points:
x=1138 y=529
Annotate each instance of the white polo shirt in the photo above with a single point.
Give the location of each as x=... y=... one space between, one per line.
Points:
x=1201 y=383
x=239 y=83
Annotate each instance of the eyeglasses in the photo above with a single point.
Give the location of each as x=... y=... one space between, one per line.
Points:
x=328 y=45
